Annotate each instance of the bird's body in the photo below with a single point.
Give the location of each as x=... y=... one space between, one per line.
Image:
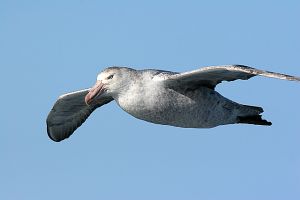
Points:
x=186 y=100
x=198 y=108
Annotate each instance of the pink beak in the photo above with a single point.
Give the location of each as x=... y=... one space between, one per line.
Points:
x=94 y=92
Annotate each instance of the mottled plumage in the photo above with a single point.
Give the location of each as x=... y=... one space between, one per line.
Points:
x=186 y=99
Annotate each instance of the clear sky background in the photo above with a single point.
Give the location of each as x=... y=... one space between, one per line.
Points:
x=48 y=48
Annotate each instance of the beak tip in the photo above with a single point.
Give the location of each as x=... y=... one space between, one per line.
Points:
x=87 y=99
x=95 y=91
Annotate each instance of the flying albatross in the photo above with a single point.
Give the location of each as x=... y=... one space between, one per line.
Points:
x=187 y=99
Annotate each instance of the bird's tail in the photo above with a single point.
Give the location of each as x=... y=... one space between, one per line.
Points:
x=253 y=116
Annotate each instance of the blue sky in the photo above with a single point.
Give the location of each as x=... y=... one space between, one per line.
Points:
x=49 y=48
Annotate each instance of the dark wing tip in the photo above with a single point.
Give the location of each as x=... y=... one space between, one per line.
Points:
x=51 y=136
x=254 y=72
x=58 y=139
x=70 y=112
x=59 y=132
x=55 y=134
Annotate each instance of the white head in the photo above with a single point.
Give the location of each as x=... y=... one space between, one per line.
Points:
x=110 y=82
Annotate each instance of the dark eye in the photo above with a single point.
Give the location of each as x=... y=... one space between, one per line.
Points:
x=110 y=76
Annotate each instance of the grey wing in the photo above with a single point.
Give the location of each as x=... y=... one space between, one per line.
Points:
x=211 y=76
x=68 y=113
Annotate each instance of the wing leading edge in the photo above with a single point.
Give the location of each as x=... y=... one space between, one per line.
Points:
x=211 y=76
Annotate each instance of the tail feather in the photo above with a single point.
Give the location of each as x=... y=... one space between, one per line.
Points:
x=253 y=119
x=252 y=115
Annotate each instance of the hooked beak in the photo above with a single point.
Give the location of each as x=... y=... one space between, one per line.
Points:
x=94 y=92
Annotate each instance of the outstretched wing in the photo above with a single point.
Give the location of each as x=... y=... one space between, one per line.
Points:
x=68 y=113
x=211 y=76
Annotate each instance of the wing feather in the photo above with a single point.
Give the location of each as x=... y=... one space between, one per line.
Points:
x=68 y=113
x=211 y=76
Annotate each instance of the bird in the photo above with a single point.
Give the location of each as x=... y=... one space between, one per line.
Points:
x=187 y=100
